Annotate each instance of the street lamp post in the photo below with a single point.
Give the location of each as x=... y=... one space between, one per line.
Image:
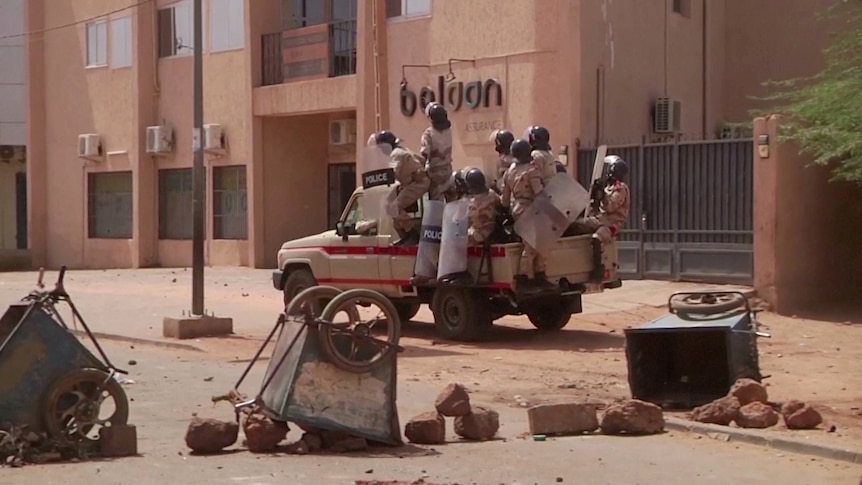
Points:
x=198 y=173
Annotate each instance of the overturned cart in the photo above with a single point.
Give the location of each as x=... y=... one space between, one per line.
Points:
x=334 y=365
x=50 y=383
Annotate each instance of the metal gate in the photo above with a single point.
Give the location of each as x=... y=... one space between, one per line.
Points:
x=691 y=210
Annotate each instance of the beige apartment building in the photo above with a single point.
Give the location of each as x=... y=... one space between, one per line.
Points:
x=294 y=87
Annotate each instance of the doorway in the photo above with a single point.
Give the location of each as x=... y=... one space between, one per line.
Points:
x=21 y=209
x=342 y=183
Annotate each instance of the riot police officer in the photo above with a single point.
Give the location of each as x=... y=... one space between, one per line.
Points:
x=483 y=207
x=502 y=145
x=436 y=148
x=413 y=183
x=540 y=143
x=610 y=207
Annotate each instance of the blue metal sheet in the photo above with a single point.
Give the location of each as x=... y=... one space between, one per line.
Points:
x=674 y=322
x=310 y=391
x=37 y=352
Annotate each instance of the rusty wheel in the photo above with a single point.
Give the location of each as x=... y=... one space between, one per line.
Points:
x=82 y=402
x=706 y=303
x=366 y=337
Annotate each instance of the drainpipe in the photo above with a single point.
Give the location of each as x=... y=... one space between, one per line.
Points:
x=376 y=46
x=704 y=71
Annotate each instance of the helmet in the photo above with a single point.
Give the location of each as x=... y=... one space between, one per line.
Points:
x=521 y=151
x=436 y=112
x=476 y=183
x=460 y=182
x=617 y=167
x=539 y=137
x=384 y=138
x=503 y=141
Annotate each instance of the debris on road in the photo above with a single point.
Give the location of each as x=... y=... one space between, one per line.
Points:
x=453 y=401
x=262 y=434
x=562 y=419
x=421 y=481
x=722 y=411
x=474 y=423
x=632 y=417
x=798 y=415
x=481 y=424
x=426 y=429
x=748 y=391
x=756 y=415
x=211 y=435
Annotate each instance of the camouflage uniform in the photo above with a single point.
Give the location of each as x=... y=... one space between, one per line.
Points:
x=613 y=212
x=503 y=164
x=483 y=217
x=546 y=163
x=521 y=184
x=413 y=184
x=437 y=150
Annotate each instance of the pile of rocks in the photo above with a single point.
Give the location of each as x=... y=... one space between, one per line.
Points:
x=632 y=417
x=475 y=423
x=747 y=404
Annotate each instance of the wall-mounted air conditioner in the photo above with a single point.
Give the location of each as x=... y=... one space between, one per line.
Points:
x=342 y=132
x=89 y=146
x=668 y=112
x=160 y=140
x=214 y=139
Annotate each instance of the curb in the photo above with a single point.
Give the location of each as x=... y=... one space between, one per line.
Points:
x=757 y=438
x=139 y=341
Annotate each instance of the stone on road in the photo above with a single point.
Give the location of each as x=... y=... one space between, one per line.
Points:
x=748 y=391
x=798 y=415
x=632 y=417
x=453 y=401
x=756 y=415
x=208 y=435
x=562 y=418
x=426 y=429
x=722 y=411
x=480 y=425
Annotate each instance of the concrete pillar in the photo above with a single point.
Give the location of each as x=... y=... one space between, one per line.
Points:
x=372 y=88
x=34 y=15
x=765 y=211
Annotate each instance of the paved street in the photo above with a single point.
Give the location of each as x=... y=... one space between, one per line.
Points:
x=170 y=385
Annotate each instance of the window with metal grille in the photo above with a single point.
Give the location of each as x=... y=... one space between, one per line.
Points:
x=175 y=203
x=230 y=203
x=109 y=205
x=342 y=183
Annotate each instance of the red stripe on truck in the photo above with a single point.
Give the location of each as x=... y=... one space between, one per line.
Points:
x=496 y=252
x=373 y=281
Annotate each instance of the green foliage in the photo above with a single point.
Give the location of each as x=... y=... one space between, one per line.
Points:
x=824 y=112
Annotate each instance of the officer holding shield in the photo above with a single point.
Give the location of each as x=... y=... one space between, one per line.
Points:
x=611 y=207
x=436 y=148
x=540 y=143
x=483 y=207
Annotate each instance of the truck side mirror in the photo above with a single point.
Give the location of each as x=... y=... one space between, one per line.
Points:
x=341 y=230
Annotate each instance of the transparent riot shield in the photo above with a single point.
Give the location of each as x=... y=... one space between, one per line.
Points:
x=454 y=241
x=378 y=179
x=552 y=211
x=428 y=252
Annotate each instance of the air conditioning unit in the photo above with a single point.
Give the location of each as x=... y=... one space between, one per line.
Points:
x=342 y=132
x=160 y=140
x=214 y=140
x=89 y=146
x=668 y=112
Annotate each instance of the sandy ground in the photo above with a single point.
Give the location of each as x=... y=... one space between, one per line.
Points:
x=170 y=385
x=814 y=359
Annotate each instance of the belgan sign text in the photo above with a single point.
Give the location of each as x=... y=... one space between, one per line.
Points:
x=453 y=95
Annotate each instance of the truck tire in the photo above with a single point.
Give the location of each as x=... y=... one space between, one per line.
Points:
x=706 y=304
x=460 y=313
x=406 y=311
x=550 y=317
x=297 y=281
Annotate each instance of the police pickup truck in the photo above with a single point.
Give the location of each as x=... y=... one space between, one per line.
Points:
x=348 y=260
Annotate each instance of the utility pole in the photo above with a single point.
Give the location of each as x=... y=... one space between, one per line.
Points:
x=198 y=173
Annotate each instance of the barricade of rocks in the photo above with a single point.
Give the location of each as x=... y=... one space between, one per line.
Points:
x=472 y=422
x=631 y=417
x=747 y=404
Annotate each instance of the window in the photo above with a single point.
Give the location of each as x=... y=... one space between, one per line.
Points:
x=682 y=7
x=302 y=13
x=97 y=43
x=175 y=203
x=230 y=203
x=176 y=30
x=407 y=8
x=121 y=42
x=342 y=182
x=227 y=24
x=109 y=205
x=354 y=214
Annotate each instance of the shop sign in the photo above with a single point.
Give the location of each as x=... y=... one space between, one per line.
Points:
x=453 y=95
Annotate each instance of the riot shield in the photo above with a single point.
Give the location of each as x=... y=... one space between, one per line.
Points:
x=551 y=212
x=428 y=252
x=377 y=171
x=453 y=241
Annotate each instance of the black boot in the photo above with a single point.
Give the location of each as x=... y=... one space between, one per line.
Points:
x=543 y=283
x=524 y=286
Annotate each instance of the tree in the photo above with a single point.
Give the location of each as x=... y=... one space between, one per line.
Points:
x=823 y=113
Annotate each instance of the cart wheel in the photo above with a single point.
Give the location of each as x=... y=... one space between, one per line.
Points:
x=706 y=303
x=317 y=296
x=82 y=402
x=351 y=345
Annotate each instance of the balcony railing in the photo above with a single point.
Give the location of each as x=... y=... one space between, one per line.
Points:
x=314 y=52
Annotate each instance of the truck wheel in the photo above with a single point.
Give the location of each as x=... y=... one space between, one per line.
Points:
x=406 y=311
x=297 y=281
x=459 y=313
x=706 y=303
x=550 y=317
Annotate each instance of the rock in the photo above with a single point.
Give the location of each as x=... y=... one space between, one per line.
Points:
x=426 y=429
x=480 y=425
x=632 y=417
x=297 y=448
x=562 y=419
x=756 y=415
x=350 y=444
x=798 y=415
x=330 y=438
x=313 y=441
x=453 y=401
x=721 y=411
x=748 y=391
x=262 y=434
x=210 y=435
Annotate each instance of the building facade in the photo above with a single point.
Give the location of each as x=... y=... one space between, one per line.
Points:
x=13 y=138
x=293 y=88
